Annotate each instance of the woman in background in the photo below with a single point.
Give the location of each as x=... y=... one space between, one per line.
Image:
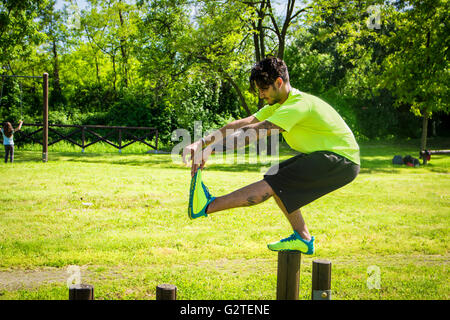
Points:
x=8 y=139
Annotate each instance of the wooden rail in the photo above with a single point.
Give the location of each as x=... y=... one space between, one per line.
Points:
x=89 y=129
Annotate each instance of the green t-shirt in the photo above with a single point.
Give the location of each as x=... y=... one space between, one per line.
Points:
x=310 y=125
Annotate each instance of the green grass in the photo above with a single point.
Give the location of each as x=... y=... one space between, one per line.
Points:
x=123 y=219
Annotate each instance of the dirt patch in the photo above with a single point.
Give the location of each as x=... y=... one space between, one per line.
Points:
x=16 y=279
x=26 y=279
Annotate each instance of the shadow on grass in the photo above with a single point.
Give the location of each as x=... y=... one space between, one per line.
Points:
x=163 y=161
x=376 y=157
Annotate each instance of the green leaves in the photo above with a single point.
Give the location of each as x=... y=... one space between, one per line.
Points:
x=18 y=28
x=418 y=66
x=183 y=58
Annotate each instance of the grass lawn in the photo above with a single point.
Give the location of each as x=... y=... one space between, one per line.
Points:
x=122 y=218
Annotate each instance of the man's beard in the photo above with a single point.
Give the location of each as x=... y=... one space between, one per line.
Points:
x=274 y=101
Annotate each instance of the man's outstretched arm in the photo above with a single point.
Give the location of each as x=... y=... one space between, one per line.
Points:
x=225 y=130
x=216 y=136
x=237 y=140
x=246 y=135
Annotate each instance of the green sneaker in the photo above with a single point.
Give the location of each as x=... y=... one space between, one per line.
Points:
x=293 y=243
x=199 y=197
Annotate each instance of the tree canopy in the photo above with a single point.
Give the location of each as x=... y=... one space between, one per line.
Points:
x=167 y=63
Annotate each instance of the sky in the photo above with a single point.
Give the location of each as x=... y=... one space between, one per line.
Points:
x=80 y=3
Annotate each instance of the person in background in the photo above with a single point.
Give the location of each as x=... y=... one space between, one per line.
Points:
x=8 y=139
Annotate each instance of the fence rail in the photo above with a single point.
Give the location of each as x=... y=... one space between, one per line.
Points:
x=149 y=134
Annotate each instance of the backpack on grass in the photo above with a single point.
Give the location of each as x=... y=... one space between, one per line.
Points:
x=408 y=160
x=397 y=160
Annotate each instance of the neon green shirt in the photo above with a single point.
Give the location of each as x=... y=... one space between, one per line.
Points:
x=310 y=125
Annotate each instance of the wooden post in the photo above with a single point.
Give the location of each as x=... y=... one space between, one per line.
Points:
x=81 y=292
x=321 y=280
x=166 y=292
x=120 y=140
x=288 y=275
x=45 y=120
x=83 y=139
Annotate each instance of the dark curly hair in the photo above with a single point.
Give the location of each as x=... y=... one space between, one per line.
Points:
x=266 y=72
x=7 y=129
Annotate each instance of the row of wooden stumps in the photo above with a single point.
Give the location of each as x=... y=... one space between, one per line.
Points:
x=288 y=277
x=288 y=280
x=86 y=292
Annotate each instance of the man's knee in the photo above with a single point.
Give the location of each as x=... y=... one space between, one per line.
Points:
x=263 y=191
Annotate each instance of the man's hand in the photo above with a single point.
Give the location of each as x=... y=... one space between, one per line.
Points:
x=190 y=151
x=199 y=160
x=196 y=155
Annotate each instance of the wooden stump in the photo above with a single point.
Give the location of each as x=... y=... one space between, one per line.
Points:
x=288 y=275
x=81 y=292
x=166 y=292
x=321 y=280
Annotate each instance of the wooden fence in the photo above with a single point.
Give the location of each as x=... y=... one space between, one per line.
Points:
x=122 y=132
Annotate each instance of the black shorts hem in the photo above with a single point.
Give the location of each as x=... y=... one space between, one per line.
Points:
x=307 y=177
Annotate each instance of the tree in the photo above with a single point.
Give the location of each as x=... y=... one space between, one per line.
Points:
x=19 y=30
x=55 y=31
x=397 y=48
x=111 y=26
x=417 y=70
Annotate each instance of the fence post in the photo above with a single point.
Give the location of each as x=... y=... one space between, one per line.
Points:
x=166 y=292
x=120 y=140
x=82 y=139
x=45 y=118
x=81 y=292
x=321 y=280
x=288 y=275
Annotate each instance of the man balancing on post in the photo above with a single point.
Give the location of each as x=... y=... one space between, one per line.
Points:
x=328 y=159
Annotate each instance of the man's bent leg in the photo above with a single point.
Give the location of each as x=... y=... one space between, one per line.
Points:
x=247 y=196
x=295 y=218
x=300 y=240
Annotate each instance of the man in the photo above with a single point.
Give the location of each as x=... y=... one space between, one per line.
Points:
x=329 y=157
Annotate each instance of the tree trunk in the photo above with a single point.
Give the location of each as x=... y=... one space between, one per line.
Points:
x=97 y=70
x=124 y=53
x=426 y=114
x=56 y=80
x=260 y=48
x=113 y=57
x=258 y=36
x=423 y=140
x=238 y=91
x=256 y=44
x=56 y=90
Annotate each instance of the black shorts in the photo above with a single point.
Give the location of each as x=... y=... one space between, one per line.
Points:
x=307 y=177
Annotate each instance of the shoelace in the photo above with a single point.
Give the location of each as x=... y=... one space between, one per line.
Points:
x=208 y=195
x=290 y=238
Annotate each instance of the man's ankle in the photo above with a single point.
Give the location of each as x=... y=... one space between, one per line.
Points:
x=209 y=206
x=304 y=235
